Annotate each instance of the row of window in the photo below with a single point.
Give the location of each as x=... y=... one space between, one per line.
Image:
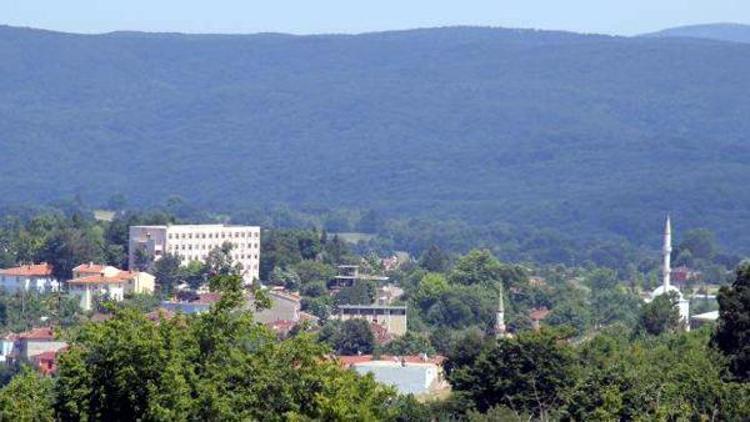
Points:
x=203 y=257
x=207 y=247
x=221 y=235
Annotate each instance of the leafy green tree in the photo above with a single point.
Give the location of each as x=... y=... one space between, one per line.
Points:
x=168 y=272
x=313 y=271
x=478 y=267
x=361 y=293
x=661 y=315
x=434 y=260
x=70 y=247
x=409 y=344
x=532 y=372
x=349 y=337
x=701 y=243
x=732 y=334
x=27 y=398
x=429 y=290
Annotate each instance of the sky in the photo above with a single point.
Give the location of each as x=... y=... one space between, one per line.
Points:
x=617 y=17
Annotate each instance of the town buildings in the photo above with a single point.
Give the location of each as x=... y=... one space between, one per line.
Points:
x=26 y=277
x=393 y=318
x=92 y=281
x=194 y=242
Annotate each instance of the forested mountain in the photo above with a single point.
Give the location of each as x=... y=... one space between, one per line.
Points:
x=591 y=135
x=718 y=31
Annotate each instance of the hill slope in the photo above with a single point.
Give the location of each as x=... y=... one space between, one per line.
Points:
x=732 y=32
x=588 y=134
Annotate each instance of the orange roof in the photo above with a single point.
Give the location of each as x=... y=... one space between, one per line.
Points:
x=90 y=268
x=122 y=277
x=40 y=333
x=33 y=270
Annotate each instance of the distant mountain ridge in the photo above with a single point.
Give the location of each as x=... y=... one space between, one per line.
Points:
x=591 y=135
x=732 y=32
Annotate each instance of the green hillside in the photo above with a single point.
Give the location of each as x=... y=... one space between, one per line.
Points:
x=587 y=134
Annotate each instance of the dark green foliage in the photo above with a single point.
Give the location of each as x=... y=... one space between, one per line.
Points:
x=661 y=315
x=500 y=127
x=350 y=337
x=410 y=344
x=732 y=335
x=434 y=260
x=27 y=398
x=532 y=372
x=361 y=293
x=168 y=273
x=21 y=311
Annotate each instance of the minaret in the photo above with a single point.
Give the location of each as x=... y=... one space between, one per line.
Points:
x=500 y=314
x=667 y=254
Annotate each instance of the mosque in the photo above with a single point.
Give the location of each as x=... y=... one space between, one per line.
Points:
x=666 y=287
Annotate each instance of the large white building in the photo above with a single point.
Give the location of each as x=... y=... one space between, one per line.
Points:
x=194 y=242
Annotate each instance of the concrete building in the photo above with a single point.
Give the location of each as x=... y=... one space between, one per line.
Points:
x=26 y=277
x=37 y=341
x=92 y=281
x=348 y=275
x=194 y=242
x=393 y=318
x=408 y=374
x=284 y=307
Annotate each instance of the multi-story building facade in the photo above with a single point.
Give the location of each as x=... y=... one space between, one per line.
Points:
x=27 y=277
x=92 y=281
x=194 y=242
x=392 y=318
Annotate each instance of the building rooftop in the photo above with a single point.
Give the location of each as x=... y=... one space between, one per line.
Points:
x=372 y=307
x=32 y=270
x=122 y=277
x=39 y=333
x=707 y=316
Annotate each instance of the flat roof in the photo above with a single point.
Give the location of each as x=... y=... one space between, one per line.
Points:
x=215 y=226
x=372 y=307
x=707 y=316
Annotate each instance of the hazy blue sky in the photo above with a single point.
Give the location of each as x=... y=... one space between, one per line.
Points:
x=315 y=16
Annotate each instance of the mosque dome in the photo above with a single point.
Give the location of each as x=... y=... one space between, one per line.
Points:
x=661 y=290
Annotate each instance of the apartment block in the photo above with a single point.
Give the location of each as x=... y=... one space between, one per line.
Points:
x=194 y=242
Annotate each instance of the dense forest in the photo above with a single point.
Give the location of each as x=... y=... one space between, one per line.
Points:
x=593 y=137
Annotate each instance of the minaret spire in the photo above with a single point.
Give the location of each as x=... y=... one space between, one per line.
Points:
x=667 y=254
x=500 y=315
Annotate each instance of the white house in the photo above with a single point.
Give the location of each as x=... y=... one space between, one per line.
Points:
x=92 y=281
x=27 y=277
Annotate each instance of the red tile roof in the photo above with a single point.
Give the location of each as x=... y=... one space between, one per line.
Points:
x=122 y=277
x=46 y=362
x=33 y=270
x=89 y=268
x=40 y=333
